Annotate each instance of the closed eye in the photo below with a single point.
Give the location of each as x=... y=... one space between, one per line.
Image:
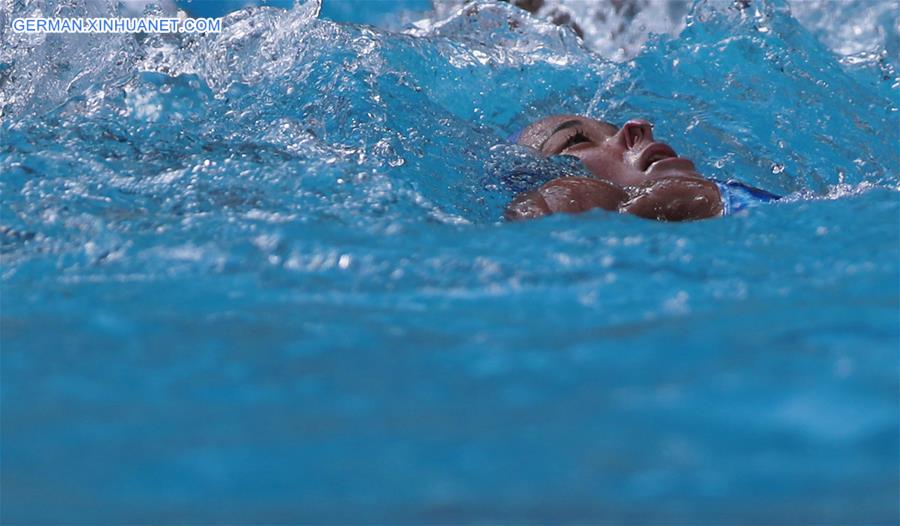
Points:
x=577 y=138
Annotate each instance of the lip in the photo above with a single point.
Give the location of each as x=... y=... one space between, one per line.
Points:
x=654 y=154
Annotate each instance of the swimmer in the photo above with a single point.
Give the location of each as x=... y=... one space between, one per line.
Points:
x=557 y=15
x=632 y=173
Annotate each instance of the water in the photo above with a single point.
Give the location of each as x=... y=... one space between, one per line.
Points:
x=260 y=277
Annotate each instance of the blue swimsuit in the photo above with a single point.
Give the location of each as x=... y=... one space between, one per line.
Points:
x=737 y=196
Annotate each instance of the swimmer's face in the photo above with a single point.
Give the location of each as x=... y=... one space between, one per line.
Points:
x=626 y=156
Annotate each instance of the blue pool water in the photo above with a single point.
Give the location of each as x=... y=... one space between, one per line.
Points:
x=260 y=277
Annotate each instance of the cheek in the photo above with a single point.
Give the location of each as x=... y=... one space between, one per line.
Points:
x=603 y=165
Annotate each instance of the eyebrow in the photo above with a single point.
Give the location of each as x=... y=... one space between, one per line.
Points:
x=562 y=126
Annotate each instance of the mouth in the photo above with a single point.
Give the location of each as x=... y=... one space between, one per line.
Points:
x=654 y=154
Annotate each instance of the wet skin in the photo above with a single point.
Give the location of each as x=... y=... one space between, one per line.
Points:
x=632 y=173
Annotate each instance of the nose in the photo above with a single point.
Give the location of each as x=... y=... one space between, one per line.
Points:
x=636 y=132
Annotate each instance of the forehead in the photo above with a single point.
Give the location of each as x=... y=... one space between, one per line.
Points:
x=538 y=132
